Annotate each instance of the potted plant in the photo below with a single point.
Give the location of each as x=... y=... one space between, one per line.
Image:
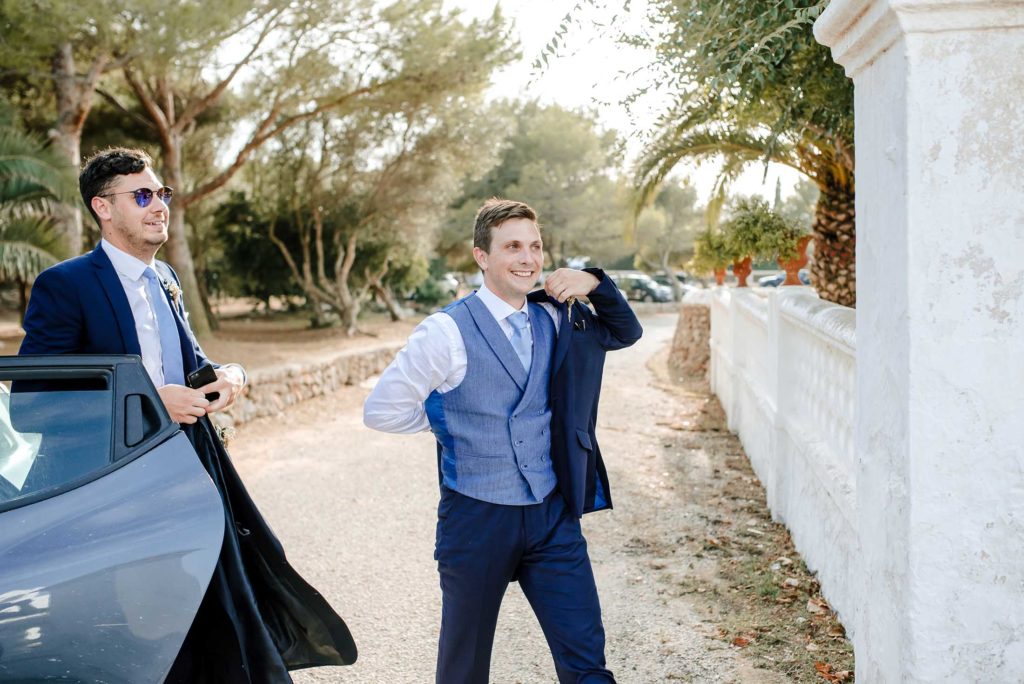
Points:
x=750 y=220
x=791 y=251
x=711 y=255
x=754 y=230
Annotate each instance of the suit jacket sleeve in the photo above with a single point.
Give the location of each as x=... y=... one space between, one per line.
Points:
x=53 y=321
x=617 y=324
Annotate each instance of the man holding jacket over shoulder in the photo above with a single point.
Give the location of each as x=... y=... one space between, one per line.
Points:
x=508 y=380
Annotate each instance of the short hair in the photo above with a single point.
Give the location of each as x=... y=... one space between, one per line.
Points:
x=493 y=213
x=101 y=170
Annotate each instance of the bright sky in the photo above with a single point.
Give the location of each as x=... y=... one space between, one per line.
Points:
x=592 y=75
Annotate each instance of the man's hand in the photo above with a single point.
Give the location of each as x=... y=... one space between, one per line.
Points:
x=229 y=383
x=568 y=282
x=185 y=404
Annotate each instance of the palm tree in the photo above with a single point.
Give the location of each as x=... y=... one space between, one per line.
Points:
x=33 y=180
x=750 y=84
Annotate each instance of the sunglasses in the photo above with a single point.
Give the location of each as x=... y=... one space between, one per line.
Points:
x=143 y=196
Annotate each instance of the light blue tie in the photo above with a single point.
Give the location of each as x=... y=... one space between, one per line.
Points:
x=170 y=343
x=521 y=340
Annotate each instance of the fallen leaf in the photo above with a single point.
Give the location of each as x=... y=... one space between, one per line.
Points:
x=826 y=672
x=741 y=641
x=817 y=606
x=836 y=630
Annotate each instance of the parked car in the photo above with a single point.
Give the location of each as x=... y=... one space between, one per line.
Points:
x=778 y=278
x=110 y=527
x=641 y=287
x=663 y=279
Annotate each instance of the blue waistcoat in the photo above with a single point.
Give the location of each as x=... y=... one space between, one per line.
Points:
x=495 y=427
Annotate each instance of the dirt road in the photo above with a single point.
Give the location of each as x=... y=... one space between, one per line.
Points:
x=356 y=510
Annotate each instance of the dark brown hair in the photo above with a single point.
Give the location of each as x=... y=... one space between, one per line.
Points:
x=101 y=170
x=493 y=213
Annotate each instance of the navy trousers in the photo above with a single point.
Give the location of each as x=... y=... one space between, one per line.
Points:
x=481 y=547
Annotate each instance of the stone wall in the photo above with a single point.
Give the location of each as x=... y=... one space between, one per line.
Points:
x=271 y=390
x=691 y=345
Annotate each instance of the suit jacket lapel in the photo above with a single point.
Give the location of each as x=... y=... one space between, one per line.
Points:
x=564 y=335
x=495 y=337
x=112 y=287
x=564 y=328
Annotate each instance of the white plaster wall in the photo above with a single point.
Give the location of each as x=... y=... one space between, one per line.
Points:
x=939 y=435
x=783 y=369
x=881 y=441
x=965 y=227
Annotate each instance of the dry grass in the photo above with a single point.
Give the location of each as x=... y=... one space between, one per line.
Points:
x=745 y=574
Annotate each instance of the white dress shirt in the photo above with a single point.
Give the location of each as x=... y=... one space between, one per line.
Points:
x=434 y=358
x=129 y=271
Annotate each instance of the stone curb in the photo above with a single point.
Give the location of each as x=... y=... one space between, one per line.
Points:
x=273 y=389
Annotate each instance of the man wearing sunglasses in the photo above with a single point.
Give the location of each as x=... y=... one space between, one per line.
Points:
x=119 y=299
x=65 y=315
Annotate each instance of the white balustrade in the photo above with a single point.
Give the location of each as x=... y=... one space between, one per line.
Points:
x=783 y=367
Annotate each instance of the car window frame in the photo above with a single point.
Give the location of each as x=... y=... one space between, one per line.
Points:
x=126 y=377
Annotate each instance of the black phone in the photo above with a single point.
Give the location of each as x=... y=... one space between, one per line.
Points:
x=202 y=377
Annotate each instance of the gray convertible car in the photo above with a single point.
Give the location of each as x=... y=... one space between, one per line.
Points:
x=110 y=528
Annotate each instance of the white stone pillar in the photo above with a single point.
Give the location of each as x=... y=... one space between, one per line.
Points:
x=940 y=334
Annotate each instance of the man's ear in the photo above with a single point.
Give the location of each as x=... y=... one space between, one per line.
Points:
x=101 y=207
x=481 y=258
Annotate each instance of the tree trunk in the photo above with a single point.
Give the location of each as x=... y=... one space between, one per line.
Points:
x=388 y=298
x=23 y=289
x=833 y=265
x=670 y=273
x=74 y=95
x=176 y=250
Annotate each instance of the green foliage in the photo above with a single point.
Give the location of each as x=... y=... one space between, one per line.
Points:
x=711 y=252
x=32 y=180
x=665 y=231
x=756 y=231
x=749 y=84
x=249 y=265
x=560 y=163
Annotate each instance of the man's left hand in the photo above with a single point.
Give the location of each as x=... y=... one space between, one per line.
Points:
x=568 y=282
x=229 y=383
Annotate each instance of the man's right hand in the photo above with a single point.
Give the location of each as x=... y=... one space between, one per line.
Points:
x=185 y=404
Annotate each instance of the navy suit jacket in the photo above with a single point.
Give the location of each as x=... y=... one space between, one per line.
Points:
x=79 y=307
x=575 y=390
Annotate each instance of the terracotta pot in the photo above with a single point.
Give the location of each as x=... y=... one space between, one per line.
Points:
x=741 y=269
x=719 y=276
x=793 y=266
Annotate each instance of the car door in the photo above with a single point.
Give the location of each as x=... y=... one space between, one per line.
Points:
x=110 y=527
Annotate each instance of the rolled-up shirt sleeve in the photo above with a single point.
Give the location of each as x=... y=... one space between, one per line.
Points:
x=429 y=361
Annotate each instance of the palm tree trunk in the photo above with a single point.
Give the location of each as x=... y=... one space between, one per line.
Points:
x=833 y=265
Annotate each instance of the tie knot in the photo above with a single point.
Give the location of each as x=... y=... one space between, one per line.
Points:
x=150 y=274
x=519 y=320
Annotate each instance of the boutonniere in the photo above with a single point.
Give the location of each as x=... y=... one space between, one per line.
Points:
x=225 y=433
x=580 y=324
x=173 y=289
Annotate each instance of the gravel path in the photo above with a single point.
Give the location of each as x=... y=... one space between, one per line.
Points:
x=356 y=511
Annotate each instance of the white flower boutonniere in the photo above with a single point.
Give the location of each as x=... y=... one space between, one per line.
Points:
x=172 y=289
x=225 y=433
